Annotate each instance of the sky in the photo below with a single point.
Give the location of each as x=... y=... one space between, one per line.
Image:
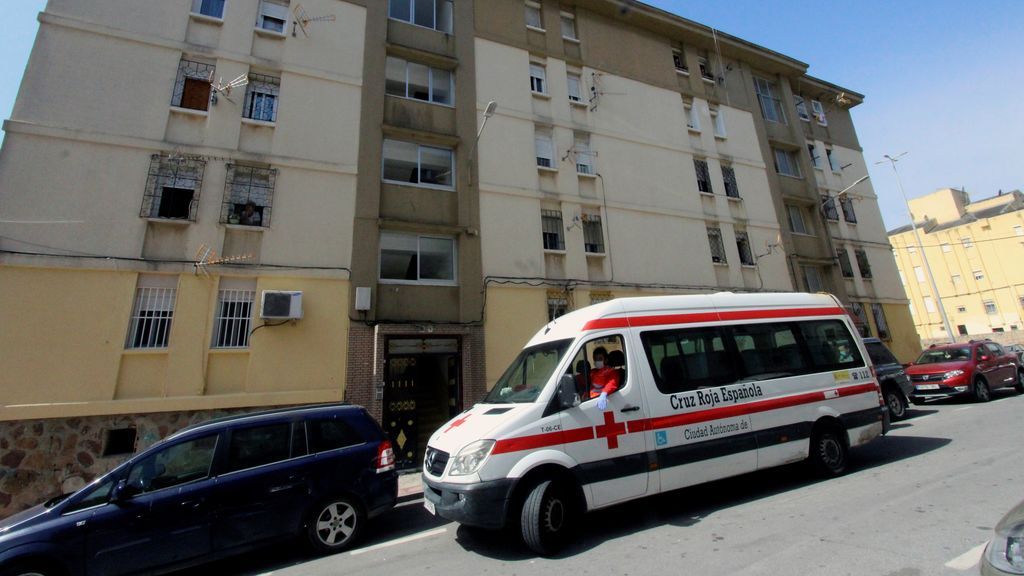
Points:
x=941 y=79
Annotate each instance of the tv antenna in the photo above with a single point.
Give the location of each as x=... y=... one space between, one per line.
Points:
x=224 y=89
x=303 y=20
x=206 y=256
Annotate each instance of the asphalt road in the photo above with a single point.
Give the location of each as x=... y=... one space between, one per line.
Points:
x=920 y=501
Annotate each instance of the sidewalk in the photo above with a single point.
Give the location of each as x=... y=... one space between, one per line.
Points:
x=410 y=486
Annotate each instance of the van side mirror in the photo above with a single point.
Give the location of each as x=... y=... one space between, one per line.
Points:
x=567 y=396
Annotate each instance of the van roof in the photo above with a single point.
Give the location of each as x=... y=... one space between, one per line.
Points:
x=695 y=308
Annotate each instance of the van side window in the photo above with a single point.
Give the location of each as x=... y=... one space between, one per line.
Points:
x=688 y=359
x=251 y=447
x=174 y=465
x=830 y=344
x=768 y=350
x=582 y=368
x=330 y=435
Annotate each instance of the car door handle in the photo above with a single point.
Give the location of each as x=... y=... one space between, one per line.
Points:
x=290 y=485
x=629 y=409
x=191 y=504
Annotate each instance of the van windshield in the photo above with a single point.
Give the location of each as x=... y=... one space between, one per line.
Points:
x=526 y=377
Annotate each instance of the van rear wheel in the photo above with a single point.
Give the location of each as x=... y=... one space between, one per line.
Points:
x=547 y=517
x=335 y=524
x=829 y=454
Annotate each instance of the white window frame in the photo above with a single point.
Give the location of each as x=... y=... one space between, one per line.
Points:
x=692 y=117
x=278 y=11
x=410 y=18
x=543 y=141
x=718 y=120
x=570 y=18
x=1018 y=230
x=419 y=165
x=584 y=156
x=530 y=9
x=419 y=282
x=966 y=242
x=810 y=272
x=786 y=159
x=978 y=275
x=801 y=108
x=430 y=83
x=767 y=99
x=796 y=216
x=231 y=328
x=946 y=247
x=929 y=304
x=919 y=273
x=819 y=113
x=152 y=312
x=267 y=87
x=833 y=163
x=197 y=8
x=538 y=78
x=990 y=307
x=679 y=61
x=570 y=78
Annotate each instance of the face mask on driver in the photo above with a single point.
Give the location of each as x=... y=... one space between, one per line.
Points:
x=598 y=363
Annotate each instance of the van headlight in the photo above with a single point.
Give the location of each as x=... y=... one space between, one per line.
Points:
x=1006 y=550
x=470 y=458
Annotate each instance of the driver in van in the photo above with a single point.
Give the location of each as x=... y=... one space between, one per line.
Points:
x=603 y=378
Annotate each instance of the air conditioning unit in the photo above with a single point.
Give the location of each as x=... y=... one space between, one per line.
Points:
x=281 y=305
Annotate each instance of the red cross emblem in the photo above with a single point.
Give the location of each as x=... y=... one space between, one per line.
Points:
x=457 y=423
x=611 y=430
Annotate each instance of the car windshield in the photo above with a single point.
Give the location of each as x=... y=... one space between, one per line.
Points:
x=528 y=374
x=938 y=355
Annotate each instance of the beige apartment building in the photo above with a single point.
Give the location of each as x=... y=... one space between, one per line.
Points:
x=974 y=250
x=219 y=205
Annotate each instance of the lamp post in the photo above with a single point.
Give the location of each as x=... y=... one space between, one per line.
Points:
x=917 y=238
x=488 y=112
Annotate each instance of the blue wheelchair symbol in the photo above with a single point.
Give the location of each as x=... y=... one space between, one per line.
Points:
x=661 y=438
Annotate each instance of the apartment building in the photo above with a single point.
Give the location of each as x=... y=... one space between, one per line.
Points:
x=214 y=205
x=974 y=250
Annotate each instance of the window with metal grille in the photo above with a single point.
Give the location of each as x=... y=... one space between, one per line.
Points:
x=211 y=8
x=862 y=319
x=234 y=316
x=248 y=195
x=598 y=297
x=172 y=188
x=152 y=313
x=558 y=304
x=862 y=263
x=771 y=106
x=828 y=207
x=732 y=189
x=703 y=177
x=880 y=322
x=717 y=247
x=593 y=234
x=844 y=262
x=192 y=85
x=848 y=214
x=261 y=95
x=551 y=226
x=743 y=246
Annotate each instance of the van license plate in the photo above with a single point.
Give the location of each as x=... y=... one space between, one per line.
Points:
x=429 y=506
x=927 y=386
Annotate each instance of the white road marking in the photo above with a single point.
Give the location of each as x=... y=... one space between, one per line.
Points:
x=397 y=541
x=964 y=408
x=968 y=559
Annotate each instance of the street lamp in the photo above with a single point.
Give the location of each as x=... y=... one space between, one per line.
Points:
x=488 y=112
x=917 y=238
x=850 y=187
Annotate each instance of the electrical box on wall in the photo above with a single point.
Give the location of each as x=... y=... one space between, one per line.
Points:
x=281 y=305
x=363 y=298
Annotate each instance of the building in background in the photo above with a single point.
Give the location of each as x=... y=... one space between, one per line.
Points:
x=974 y=250
x=214 y=205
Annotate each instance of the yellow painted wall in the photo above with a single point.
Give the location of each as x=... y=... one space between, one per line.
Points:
x=905 y=343
x=513 y=316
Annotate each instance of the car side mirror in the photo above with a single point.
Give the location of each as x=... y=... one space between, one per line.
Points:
x=124 y=490
x=985 y=358
x=908 y=364
x=567 y=396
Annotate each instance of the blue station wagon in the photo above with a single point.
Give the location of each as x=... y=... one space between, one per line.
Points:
x=213 y=490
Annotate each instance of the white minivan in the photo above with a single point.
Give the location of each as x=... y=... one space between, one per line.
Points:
x=708 y=386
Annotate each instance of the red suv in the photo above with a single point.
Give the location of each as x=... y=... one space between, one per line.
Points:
x=973 y=368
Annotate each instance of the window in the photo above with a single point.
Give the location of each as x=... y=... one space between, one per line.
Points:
x=327 y=435
x=248 y=195
x=844 y=262
x=538 y=78
x=692 y=117
x=863 y=264
x=584 y=157
x=1018 y=230
x=551 y=229
x=575 y=84
x=819 y=112
x=705 y=67
x=717 y=247
x=679 y=61
x=929 y=304
x=732 y=189
x=172 y=188
x=828 y=207
x=801 y=108
x=961 y=309
x=273 y=15
x=261 y=94
x=193 y=85
x=958 y=282
x=688 y=359
x=812 y=279
x=412 y=258
x=718 y=119
x=418 y=81
x=990 y=307
x=861 y=318
x=848 y=214
x=152 y=313
x=966 y=242
x=946 y=247
x=796 y=219
x=418 y=165
x=771 y=106
x=815 y=159
x=568 y=26
x=979 y=275
x=174 y=465
x=593 y=234
x=880 y=322
x=919 y=273
x=533 y=16
x=785 y=163
x=234 y=313
x=558 y=304
x=435 y=14
x=597 y=297
x=259 y=446
x=703 y=177
x=545 y=148
x=833 y=161
x=911 y=249
x=743 y=246
x=211 y=8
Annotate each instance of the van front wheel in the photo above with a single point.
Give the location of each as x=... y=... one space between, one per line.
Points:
x=547 y=517
x=828 y=453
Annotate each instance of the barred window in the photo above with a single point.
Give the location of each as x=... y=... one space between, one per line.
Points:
x=248 y=195
x=880 y=322
x=828 y=207
x=261 y=97
x=848 y=214
x=703 y=177
x=234 y=313
x=551 y=226
x=743 y=245
x=862 y=263
x=598 y=297
x=593 y=234
x=558 y=304
x=844 y=262
x=152 y=313
x=193 y=84
x=717 y=247
x=732 y=189
x=172 y=188
x=861 y=317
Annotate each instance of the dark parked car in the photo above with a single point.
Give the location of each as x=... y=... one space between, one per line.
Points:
x=896 y=385
x=212 y=490
x=973 y=368
x=1017 y=349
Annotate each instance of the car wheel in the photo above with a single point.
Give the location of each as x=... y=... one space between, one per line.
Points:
x=1019 y=386
x=27 y=569
x=828 y=452
x=981 y=391
x=547 y=517
x=897 y=404
x=335 y=524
